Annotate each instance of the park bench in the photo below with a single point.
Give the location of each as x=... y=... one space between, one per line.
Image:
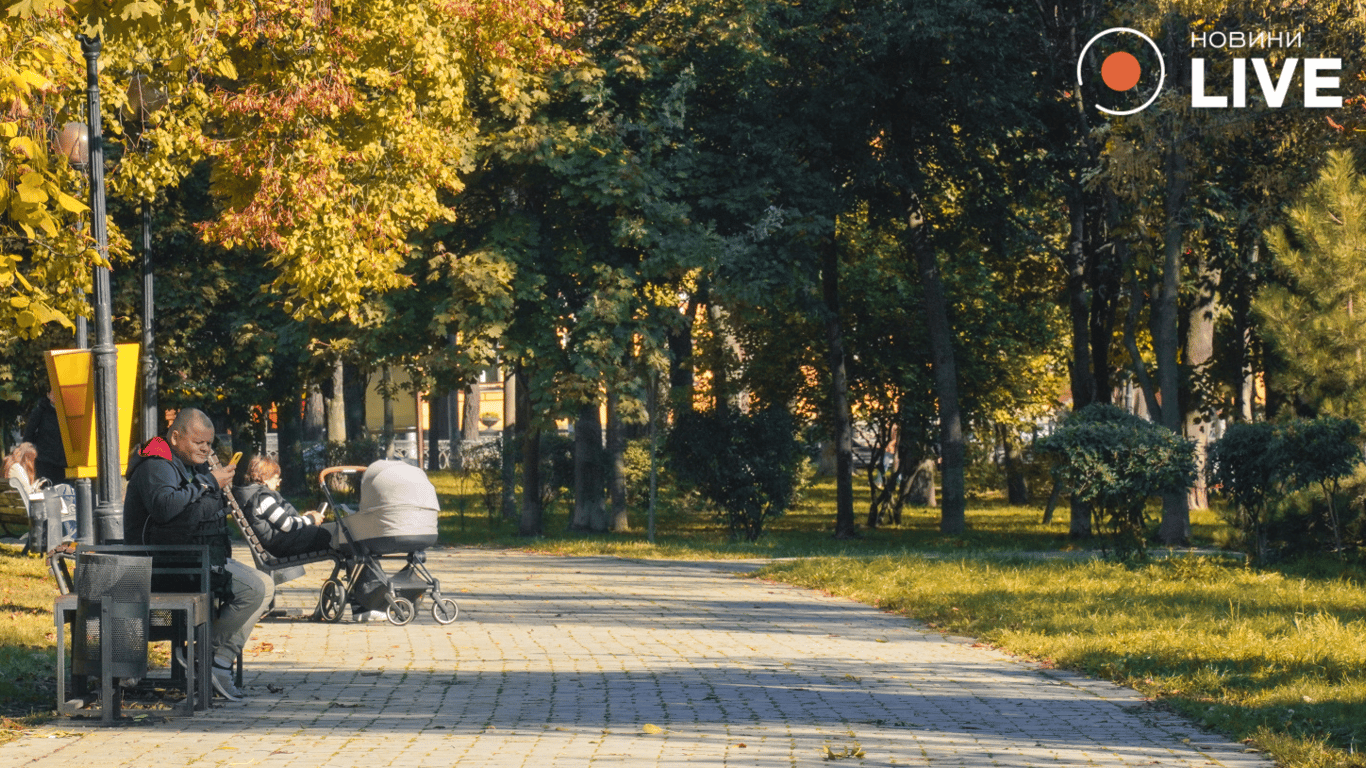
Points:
x=181 y=612
x=269 y=563
x=272 y=564
x=14 y=512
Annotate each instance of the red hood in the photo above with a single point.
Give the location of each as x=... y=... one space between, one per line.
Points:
x=157 y=447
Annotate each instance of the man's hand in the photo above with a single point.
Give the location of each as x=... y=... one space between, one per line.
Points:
x=315 y=516
x=224 y=475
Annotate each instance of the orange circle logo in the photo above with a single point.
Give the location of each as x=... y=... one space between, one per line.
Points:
x=1120 y=71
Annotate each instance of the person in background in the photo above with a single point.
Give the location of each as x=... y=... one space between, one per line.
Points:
x=18 y=465
x=44 y=430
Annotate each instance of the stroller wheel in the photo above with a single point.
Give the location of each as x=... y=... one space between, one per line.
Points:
x=401 y=611
x=445 y=610
x=332 y=600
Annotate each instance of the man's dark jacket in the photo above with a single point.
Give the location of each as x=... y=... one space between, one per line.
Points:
x=170 y=503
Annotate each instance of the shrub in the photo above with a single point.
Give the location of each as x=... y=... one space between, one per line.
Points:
x=1321 y=452
x=1268 y=470
x=746 y=464
x=360 y=453
x=1115 y=461
x=1243 y=466
x=485 y=461
x=557 y=466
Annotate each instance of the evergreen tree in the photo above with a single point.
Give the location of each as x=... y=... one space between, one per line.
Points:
x=1313 y=318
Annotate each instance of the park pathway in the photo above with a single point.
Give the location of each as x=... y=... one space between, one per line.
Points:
x=570 y=662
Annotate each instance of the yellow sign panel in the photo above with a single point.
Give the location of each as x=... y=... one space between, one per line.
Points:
x=72 y=373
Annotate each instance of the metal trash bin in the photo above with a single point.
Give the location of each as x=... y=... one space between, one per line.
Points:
x=113 y=609
x=45 y=522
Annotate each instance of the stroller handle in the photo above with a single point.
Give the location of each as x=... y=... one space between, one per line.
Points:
x=323 y=475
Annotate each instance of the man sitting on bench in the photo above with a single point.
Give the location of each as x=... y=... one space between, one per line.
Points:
x=174 y=498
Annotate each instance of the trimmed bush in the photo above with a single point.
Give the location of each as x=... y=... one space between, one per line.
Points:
x=1269 y=473
x=1115 y=461
x=747 y=464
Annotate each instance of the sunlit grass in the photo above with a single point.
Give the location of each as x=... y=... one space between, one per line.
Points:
x=1271 y=656
x=27 y=642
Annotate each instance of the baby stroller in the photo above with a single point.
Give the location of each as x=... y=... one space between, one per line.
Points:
x=395 y=516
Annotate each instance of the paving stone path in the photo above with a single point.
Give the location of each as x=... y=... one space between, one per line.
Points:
x=599 y=661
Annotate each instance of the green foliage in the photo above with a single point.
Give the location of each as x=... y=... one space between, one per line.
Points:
x=1310 y=316
x=356 y=453
x=557 y=466
x=747 y=464
x=485 y=461
x=1115 y=462
x=1265 y=470
x=1243 y=466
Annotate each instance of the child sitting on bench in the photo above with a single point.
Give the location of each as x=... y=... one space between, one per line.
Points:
x=283 y=531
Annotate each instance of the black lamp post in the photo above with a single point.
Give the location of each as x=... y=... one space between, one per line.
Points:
x=109 y=508
x=143 y=100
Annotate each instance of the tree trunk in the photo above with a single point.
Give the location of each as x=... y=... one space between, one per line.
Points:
x=681 y=380
x=1104 y=283
x=590 y=512
x=952 y=519
x=512 y=434
x=1199 y=357
x=1016 y=490
x=469 y=420
x=1152 y=409
x=1079 y=525
x=386 y=379
x=723 y=348
x=920 y=485
x=616 y=464
x=842 y=418
x=355 y=385
x=292 y=479
x=1052 y=504
x=532 y=507
x=1075 y=262
x=1245 y=392
x=336 y=405
x=1175 y=528
x=437 y=409
x=314 y=421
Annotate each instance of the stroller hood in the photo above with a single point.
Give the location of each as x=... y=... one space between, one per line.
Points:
x=398 y=507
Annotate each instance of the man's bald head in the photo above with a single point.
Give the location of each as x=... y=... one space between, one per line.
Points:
x=191 y=418
x=191 y=436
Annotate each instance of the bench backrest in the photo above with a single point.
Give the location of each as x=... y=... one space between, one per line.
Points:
x=13 y=505
x=175 y=567
x=264 y=560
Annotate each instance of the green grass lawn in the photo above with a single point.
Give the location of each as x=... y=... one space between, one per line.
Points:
x=27 y=643
x=1275 y=656
x=1278 y=657
x=682 y=531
